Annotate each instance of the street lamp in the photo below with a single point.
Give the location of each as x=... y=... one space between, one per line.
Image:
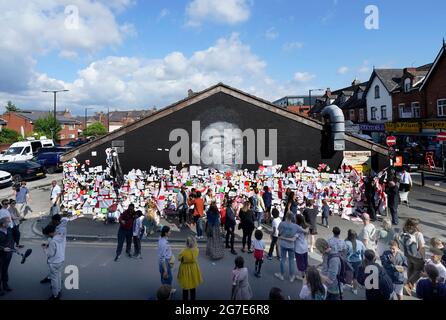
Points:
x=310 y=91
x=55 y=92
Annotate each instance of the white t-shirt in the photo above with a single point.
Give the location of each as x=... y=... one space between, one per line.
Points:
x=275 y=226
x=369 y=233
x=440 y=267
x=406 y=178
x=55 y=191
x=305 y=293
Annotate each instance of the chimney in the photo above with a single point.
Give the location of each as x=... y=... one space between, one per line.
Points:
x=190 y=93
x=410 y=70
x=328 y=92
x=356 y=82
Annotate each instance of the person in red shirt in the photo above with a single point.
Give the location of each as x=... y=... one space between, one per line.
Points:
x=125 y=231
x=198 y=214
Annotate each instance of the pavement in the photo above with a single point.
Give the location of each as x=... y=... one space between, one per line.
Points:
x=433 y=181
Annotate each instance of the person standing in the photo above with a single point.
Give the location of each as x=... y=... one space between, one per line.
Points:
x=301 y=247
x=22 y=198
x=138 y=232
x=6 y=247
x=405 y=182
x=15 y=216
x=165 y=257
x=337 y=245
x=55 y=195
x=247 y=225
x=331 y=269
x=287 y=237
x=125 y=232
x=214 y=245
x=55 y=252
x=368 y=233
x=267 y=200
x=355 y=254
x=198 y=204
x=412 y=244
x=259 y=207
x=393 y=201
x=370 y=196
x=182 y=206
x=385 y=235
x=325 y=213
x=189 y=273
x=310 y=213
x=230 y=224
x=395 y=264
x=275 y=234
x=259 y=250
x=429 y=288
x=241 y=290
x=292 y=205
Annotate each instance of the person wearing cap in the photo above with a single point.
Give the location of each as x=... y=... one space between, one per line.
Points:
x=368 y=233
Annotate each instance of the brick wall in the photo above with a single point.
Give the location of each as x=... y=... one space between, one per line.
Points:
x=15 y=123
x=436 y=87
x=407 y=98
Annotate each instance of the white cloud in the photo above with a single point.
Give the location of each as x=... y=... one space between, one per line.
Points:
x=225 y=12
x=365 y=68
x=129 y=82
x=164 y=13
x=303 y=77
x=342 y=70
x=291 y=46
x=34 y=28
x=271 y=34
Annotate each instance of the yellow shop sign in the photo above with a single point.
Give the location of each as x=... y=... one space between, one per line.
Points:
x=410 y=127
x=434 y=125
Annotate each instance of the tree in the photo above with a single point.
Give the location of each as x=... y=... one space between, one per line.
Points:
x=9 y=136
x=95 y=129
x=48 y=126
x=10 y=107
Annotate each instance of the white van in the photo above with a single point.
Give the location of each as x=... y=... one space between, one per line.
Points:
x=25 y=150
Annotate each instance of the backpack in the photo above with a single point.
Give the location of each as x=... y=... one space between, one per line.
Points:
x=345 y=275
x=385 y=284
x=409 y=244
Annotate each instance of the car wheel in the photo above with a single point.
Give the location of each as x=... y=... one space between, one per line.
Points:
x=50 y=170
x=17 y=178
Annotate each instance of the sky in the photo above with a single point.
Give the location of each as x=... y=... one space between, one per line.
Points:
x=138 y=54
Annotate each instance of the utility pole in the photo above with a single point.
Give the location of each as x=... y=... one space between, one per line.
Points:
x=55 y=92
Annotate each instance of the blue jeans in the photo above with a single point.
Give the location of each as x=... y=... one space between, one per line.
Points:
x=198 y=224
x=169 y=273
x=283 y=254
x=259 y=218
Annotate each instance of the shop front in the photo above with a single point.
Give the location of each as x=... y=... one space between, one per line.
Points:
x=376 y=131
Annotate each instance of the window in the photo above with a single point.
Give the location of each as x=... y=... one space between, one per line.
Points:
x=383 y=112
x=373 y=113
x=62 y=136
x=361 y=115
x=72 y=136
x=441 y=108
x=27 y=150
x=72 y=127
x=416 y=110
x=407 y=85
x=352 y=115
x=377 y=95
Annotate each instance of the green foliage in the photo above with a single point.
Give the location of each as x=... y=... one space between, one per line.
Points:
x=95 y=129
x=9 y=136
x=10 y=107
x=48 y=126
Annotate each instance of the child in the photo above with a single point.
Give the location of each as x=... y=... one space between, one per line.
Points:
x=435 y=260
x=138 y=232
x=275 y=234
x=395 y=264
x=15 y=216
x=325 y=213
x=438 y=244
x=259 y=247
x=55 y=251
x=241 y=290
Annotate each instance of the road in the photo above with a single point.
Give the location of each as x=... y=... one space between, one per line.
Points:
x=100 y=278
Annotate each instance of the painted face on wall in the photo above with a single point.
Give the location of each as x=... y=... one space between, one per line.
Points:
x=221 y=146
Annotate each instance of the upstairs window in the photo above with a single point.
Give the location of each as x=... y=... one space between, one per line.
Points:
x=373 y=113
x=377 y=92
x=407 y=85
x=441 y=108
x=416 y=110
x=383 y=112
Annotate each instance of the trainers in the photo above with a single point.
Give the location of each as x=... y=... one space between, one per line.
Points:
x=116 y=258
x=259 y=228
x=270 y=258
x=355 y=292
x=278 y=275
x=250 y=251
x=292 y=278
x=45 y=280
x=243 y=250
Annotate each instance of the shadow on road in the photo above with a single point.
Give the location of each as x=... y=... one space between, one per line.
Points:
x=426 y=210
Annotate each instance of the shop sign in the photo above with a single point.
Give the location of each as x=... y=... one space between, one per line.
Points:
x=434 y=125
x=361 y=161
x=403 y=127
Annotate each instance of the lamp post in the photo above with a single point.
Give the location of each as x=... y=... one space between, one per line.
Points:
x=55 y=92
x=310 y=91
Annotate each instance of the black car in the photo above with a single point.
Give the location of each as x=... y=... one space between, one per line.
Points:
x=54 y=149
x=23 y=170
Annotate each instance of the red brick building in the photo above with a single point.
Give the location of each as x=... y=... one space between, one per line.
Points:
x=23 y=123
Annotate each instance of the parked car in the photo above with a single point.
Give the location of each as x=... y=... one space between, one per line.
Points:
x=50 y=160
x=24 y=150
x=77 y=143
x=23 y=170
x=5 y=179
x=54 y=149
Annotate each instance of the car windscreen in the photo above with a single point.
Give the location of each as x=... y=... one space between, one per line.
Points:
x=14 y=151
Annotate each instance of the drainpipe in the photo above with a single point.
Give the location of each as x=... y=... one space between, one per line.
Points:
x=337 y=123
